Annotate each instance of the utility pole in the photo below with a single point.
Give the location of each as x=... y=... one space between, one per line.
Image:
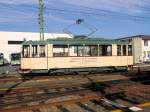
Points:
x=41 y=20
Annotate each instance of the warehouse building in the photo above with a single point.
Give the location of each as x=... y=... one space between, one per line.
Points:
x=141 y=47
x=10 y=42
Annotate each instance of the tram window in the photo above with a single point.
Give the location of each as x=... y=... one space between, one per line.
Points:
x=130 y=50
x=124 y=50
x=34 y=51
x=94 y=50
x=26 y=51
x=100 y=50
x=118 y=50
x=91 y=51
x=73 y=51
x=60 y=50
x=106 y=50
x=80 y=50
x=76 y=51
x=87 y=51
x=42 y=51
x=109 y=50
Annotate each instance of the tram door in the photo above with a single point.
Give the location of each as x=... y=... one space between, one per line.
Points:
x=42 y=57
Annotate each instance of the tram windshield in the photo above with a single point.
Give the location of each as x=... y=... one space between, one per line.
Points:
x=15 y=56
x=1 y=56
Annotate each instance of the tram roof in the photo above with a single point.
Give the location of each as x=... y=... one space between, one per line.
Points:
x=72 y=41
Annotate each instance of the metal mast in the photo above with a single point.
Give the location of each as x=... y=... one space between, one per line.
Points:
x=41 y=20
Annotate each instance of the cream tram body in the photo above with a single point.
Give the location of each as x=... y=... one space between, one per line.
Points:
x=55 y=54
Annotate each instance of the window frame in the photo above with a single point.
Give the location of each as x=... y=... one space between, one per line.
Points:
x=35 y=52
x=124 y=50
x=130 y=53
x=28 y=51
x=82 y=52
x=39 y=51
x=105 y=48
x=75 y=51
x=91 y=50
x=63 y=48
x=119 y=50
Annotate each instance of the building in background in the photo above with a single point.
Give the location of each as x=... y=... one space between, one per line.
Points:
x=10 y=42
x=140 y=47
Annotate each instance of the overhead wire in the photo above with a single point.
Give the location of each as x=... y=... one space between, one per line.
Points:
x=108 y=12
x=19 y=11
x=91 y=11
x=140 y=18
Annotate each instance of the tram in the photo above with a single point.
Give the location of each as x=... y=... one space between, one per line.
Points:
x=1 y=59
x=75 y=55
x=15 y=58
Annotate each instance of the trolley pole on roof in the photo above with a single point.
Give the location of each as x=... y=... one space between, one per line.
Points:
x=41 y=20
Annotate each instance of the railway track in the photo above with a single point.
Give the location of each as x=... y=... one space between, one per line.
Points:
x=59 y=81
x=39 y=99
x=14 y=78
x=28 y=85
x=92 y=93
x=39 y=77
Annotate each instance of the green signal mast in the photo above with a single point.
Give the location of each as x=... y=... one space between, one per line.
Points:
x=41 y=19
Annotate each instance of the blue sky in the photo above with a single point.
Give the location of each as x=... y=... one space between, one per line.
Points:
x=112 y=18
